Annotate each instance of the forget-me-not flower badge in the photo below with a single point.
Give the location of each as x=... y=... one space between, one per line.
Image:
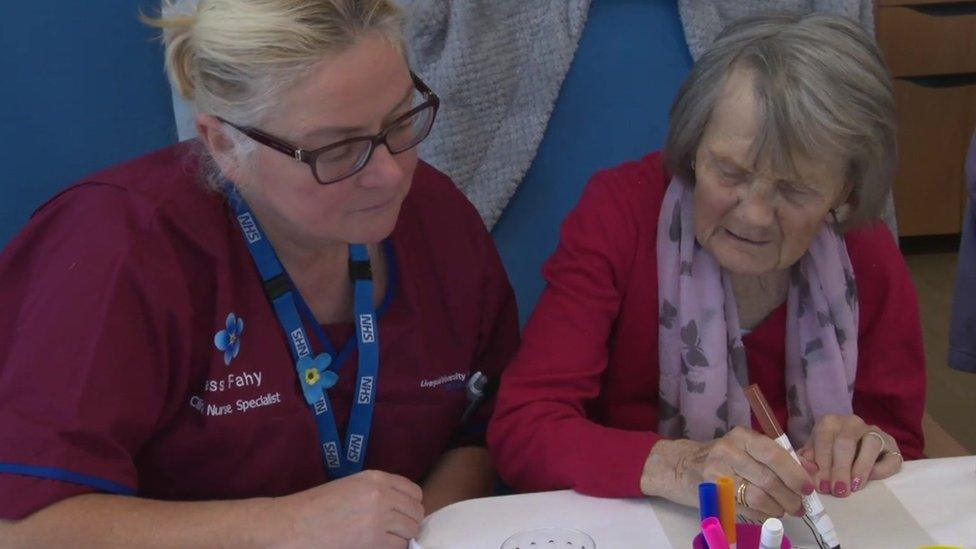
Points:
x=228 y=340
x=316 y=377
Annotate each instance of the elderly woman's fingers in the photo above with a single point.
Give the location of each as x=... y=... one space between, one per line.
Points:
x=868 y=452
x=808 y=460
x=759 y=502
x=845 y=449
x=824 y=433
x=891 y=460
x=771 y=470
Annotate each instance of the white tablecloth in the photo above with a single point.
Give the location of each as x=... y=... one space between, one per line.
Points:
x=929 y=501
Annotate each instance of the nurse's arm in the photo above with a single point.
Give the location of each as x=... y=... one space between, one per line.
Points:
x=120 y=521
x=369 y=509
x=462 y=473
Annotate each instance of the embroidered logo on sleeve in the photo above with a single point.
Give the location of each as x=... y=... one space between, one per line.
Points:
x=449 y=382
x=228 y=340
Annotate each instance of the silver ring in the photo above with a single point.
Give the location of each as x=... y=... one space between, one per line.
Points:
x=884 y=446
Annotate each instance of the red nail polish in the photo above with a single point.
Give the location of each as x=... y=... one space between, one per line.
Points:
x=856 y=484
x=824 y=487
x=799 y=513
x=840 y=489
x=807 y=489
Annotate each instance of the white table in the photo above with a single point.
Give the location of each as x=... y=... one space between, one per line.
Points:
x=929 y=501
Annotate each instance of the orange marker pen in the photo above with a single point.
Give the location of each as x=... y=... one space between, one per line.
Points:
x=726 y=507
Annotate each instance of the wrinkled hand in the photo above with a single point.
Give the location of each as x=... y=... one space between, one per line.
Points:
x=774 y=481
x=370 y=509
x=849 y=453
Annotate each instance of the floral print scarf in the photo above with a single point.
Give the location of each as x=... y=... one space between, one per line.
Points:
x=702 y=357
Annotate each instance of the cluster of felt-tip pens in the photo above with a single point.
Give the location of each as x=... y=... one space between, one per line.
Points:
x=718 y=527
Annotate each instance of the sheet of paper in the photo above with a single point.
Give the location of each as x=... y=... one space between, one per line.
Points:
x=941 y=495
x=871 y=518
x=611 y=523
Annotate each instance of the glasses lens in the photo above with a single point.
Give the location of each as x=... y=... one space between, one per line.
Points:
x=407 y=133
x=341 y=161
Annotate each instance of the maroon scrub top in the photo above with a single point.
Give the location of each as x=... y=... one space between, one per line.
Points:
x=111 y=380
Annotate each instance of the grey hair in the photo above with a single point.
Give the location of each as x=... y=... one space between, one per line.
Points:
x=822 y=89
x=234 y=58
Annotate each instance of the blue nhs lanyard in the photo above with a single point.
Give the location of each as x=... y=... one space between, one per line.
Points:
x=312 y=371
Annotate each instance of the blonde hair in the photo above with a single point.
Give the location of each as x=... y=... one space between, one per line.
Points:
x=233 y=58
x=823 y=90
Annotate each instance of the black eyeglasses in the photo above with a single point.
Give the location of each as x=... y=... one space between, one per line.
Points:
x=343 y=159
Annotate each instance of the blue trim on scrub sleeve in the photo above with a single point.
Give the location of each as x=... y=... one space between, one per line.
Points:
x=54 y=473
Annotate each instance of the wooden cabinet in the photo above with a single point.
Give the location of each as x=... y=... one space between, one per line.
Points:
x=930 y=49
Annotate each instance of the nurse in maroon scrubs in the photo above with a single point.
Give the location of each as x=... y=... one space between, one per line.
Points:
x=274 y=334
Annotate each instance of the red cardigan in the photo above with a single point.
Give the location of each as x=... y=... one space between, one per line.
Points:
x=577 y=407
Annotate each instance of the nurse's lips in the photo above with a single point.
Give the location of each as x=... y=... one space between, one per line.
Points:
x=747 y=240
x=376 y=207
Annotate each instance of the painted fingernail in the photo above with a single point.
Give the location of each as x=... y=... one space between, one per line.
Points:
x=824 y=487
x=840 y=489
x=856 y=484
x=799 y=513
x=807 y=489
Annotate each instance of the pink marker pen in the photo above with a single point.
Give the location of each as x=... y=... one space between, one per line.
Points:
x=713 y=534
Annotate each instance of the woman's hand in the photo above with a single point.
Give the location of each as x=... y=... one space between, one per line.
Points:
x=774 y=481
x=369 y=509
x=848 y=453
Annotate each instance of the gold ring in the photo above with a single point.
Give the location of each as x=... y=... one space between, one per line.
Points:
x=740 y=494
x=894 y=453
x=881 y=438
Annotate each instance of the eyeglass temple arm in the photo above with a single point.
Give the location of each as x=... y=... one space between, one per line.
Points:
x=265 y=139
x=421 y=86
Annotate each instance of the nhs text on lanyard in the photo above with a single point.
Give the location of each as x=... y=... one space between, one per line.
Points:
x=312 y=371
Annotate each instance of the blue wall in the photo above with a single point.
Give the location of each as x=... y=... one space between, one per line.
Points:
x=83 y=88
x=612 y=107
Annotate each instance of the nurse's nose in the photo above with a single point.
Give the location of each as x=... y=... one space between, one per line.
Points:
x=382 y=170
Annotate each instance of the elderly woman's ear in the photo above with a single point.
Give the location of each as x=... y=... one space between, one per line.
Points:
x=844 y=207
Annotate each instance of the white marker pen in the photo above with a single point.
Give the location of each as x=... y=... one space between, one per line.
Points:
x=812 y=506
x=772 y=534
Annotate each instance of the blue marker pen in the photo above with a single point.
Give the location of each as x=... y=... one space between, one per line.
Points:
x=708 y=501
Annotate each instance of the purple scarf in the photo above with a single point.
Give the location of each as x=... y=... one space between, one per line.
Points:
x=702 y=358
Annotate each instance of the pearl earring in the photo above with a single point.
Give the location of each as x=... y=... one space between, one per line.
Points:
x=841 y=213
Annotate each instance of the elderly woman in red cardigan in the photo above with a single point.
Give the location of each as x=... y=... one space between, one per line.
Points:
x=749 y=251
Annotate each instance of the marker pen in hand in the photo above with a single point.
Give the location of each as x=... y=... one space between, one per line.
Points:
x=812 y=506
